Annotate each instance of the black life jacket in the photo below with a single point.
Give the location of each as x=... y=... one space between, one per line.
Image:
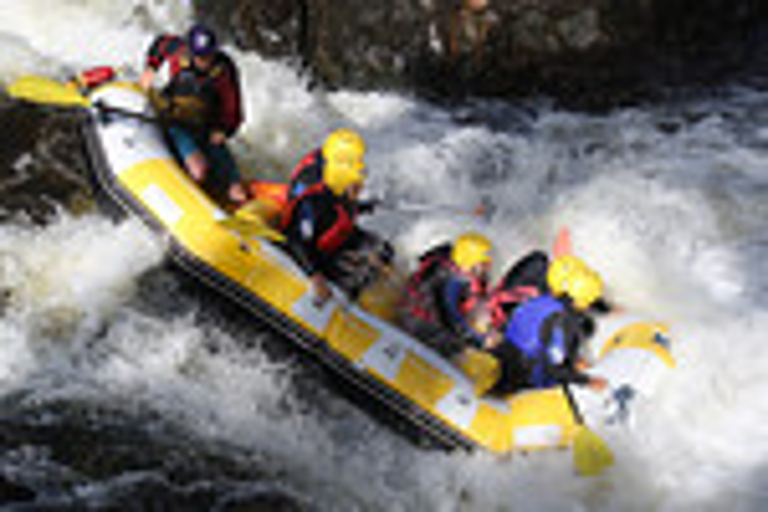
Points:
x=192 y=93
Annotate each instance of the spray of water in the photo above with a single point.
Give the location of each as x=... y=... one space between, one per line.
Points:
x=665 y=201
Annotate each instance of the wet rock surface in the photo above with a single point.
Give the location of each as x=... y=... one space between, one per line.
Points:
x=571 y=49
x=69 y=456
x=42 y=161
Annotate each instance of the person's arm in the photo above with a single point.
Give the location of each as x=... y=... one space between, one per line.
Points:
x=159 y=51
x=230 y=115
x=147 y=78
x=321 y=288
x=302 y=236
x=302 y=239
x=453 y=293
x=562 y=361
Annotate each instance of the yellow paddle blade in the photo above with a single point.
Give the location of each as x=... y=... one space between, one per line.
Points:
x=252 y=211
x=249 y=228
x=38 y=89
x=591 y=455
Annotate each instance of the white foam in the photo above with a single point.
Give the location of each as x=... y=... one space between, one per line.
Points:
x=665 y=202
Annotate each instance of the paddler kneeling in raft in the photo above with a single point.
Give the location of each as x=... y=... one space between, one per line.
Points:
x=319 y=219
x=544 y=336
x=444 y=306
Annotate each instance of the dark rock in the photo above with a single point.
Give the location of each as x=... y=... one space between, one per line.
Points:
x=129 y=461
x=42 y=161
x=260 y=501
x=11 y=492
x=568 y=48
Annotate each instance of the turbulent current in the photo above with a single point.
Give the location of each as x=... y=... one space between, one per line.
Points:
x=125 y=385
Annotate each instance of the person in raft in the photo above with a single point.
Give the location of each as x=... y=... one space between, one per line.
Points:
x=320 y=218
x=444 y=304
x=203 y=97
x=544 y=335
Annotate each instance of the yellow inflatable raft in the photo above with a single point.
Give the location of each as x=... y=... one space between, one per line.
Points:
x=134 y=166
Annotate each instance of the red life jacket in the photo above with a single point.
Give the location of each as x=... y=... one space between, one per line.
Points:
x=339 y=232
x=502 y=301
x=478 y=293
x=434 y=268
x=302 y=172
x=420 y=291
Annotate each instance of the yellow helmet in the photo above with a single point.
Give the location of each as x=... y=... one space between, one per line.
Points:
x=586 y=290
x=471 y=249
x=343 y=152
x=569 y=275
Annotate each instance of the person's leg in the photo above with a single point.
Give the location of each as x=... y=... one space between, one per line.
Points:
x=433 y=336
x=225 y=180
x=514 y=373
x=190 y=154
x=359 y=261
x=197 y=166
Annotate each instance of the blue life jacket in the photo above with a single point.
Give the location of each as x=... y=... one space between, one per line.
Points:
x=526 y=331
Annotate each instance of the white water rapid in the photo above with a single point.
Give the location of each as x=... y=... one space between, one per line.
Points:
x=667 y=201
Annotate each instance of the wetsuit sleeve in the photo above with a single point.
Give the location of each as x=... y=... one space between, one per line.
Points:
x=227 y=85
x=563 y=340
x=453 y=293
x=161 y=49
x=303 y=234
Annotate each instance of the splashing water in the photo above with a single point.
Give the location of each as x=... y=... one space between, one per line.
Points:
x=667 y=201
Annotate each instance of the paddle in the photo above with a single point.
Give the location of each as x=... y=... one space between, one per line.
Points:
x=562 y=245
x=38 y=89
x=44 y=91
x=591 y=455
x=248 y=224
x=249 y=229
x=412 y=206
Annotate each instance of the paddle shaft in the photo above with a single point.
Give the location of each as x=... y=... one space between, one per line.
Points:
x=591 y=455
x=151 y=119
x=42 y=90
x=408 y=206
x=109 y=109
x=574 y=406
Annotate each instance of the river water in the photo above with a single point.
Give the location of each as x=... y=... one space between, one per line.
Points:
x=127 y=387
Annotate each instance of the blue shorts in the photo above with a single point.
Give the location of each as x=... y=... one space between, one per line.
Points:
x=223 y=170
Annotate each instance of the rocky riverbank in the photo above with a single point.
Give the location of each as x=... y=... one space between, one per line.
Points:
x=574 y=50
x=42 y=160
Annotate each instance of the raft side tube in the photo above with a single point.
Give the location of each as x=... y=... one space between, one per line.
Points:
x=139 y=170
